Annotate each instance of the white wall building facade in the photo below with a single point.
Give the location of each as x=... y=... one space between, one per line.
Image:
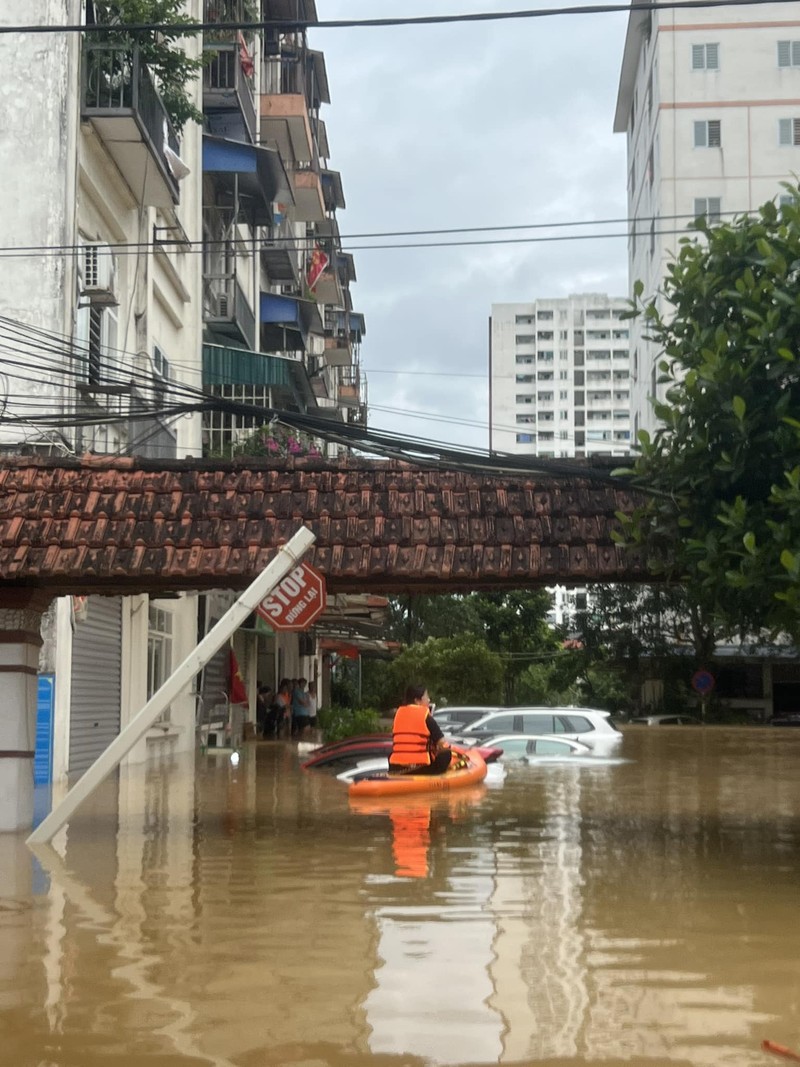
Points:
x=710 y=104
x=559 y=374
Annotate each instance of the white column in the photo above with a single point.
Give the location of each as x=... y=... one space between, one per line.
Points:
x=20 y=641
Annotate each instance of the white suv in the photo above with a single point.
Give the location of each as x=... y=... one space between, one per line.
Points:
x=588 y=725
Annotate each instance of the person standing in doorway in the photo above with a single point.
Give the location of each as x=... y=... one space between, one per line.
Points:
x=300 y=716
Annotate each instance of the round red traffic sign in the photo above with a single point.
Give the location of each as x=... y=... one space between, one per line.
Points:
x=703 y=682
x=296 y=602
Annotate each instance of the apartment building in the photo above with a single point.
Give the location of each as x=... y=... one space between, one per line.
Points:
x=159 y=259
x=559 y=377
x=710 y=104
x=279 y=325
x=559 y=380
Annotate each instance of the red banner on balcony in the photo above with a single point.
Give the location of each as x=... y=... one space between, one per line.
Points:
x=316 y=267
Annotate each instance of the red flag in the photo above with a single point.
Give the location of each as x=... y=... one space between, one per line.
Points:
x=238 y=692
x=316 y=266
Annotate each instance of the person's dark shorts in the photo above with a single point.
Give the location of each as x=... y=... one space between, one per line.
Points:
x=439 y=765
x=300 y=722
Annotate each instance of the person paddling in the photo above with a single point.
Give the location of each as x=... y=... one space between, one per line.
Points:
x=418 y=745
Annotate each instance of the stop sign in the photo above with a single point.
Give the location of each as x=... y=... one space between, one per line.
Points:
x=296 y=602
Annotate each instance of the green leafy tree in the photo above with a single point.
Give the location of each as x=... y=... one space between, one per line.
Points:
x=514 y=625
x=416 y=617
x=725 y=462
x=456 y=670
x=161 y=50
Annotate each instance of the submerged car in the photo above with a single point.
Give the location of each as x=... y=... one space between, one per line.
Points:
x=588 y=725
x=459 y=717
x=537 y=747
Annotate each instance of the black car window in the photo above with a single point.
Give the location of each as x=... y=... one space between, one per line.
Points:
x=575 y=724
x=538 y=724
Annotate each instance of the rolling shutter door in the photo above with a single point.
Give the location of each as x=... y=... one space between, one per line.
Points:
x=96 y=681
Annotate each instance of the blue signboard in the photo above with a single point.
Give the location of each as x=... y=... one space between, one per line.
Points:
x=43 y=758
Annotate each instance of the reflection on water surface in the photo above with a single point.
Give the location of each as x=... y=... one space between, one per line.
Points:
x=641 y=913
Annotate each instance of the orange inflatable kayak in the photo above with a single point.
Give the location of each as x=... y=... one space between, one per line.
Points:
x=382 y=784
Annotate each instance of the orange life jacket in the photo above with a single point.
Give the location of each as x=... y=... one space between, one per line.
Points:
x=410 y=736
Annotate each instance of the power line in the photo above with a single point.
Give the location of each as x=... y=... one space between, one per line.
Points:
x=306 y=243
x=422 y=451
x=301 y=25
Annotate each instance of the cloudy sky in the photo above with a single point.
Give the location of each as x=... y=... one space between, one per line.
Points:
x=484 y=124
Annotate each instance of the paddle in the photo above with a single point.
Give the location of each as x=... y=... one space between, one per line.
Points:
x=779 y=1050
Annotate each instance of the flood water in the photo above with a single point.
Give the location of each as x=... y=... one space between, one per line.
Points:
x=643 y=913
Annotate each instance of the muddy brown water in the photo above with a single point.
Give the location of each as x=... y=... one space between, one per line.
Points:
x=644 y=912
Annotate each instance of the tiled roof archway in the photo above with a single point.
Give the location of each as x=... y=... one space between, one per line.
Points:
x=127 y=525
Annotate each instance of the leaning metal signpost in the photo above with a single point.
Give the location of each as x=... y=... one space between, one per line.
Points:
x=287 y=560
x=296 y=602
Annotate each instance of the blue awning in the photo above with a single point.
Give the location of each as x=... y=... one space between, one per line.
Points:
x=261 y=175
x=290 y=313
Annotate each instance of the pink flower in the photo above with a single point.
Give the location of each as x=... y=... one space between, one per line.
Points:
x=272 y=445
x=294 y=446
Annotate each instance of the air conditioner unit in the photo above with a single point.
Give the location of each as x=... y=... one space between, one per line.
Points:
x=98 y=274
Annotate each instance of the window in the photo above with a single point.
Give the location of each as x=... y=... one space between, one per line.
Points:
x=524 y=338
x=547 y=435
x=522 y=398
x=545 y=396
x=709 y=206
x=524 y=438
x=544 y=335
x=545 y=316
x=96 y=336
x=159 y=652
x=563 y=415
x=789 y=53
x=574 y=723
x=545 y=357
x=537 y=724
x=563 y=375
x=522 y=360
x=546 y=416
x=789 y=131
x=708 y=133
x=526 y=420
x=523 y=378
x=524 y=320
x=705 y=57
x=563 y=394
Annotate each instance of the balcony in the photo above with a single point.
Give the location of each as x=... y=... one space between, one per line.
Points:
x=285 y=123
x=251 y=178
x=350 y=387
x=294 y=85
x=228 y=92
x=332 y=190
x=287 y=322
x=308 y=197
x=120 y=99
x=286 y=379
x=338 y=350
x=226 y=309
x=281 y=255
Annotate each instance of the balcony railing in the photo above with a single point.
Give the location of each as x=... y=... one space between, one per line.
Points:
x=118 y=89
x=229 y=92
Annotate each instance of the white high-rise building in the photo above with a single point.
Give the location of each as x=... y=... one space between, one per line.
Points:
x=559 y=379
x=710 y=103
